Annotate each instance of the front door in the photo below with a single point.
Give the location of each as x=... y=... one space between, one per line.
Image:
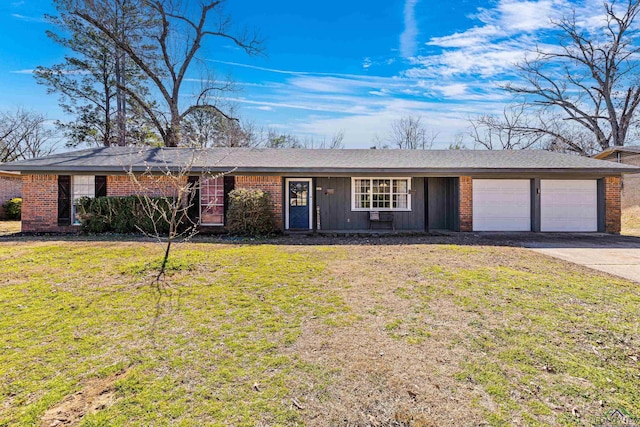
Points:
x=299 y=204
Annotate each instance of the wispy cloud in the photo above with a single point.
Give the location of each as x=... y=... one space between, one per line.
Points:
x=25 y=71
x=456 y=76
x=408 y=38
x=25 y=18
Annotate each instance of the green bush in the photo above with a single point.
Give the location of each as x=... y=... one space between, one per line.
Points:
x=250 y=213
x=13 y=208
x=122 y=215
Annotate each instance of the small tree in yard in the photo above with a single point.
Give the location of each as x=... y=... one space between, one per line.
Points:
x=167 y=199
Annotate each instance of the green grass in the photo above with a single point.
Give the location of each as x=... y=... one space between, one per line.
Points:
x=543 y=336
x=526 y=337
x=71 y=312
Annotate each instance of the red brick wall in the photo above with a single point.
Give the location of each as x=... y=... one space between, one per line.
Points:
x=40 y=204
x=124 y=185
x=466 y=203
x=269 y=184
x=612 y=204
x=10 y=187
x=40 y=198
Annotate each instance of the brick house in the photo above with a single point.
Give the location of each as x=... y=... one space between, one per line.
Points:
x=10 y=187
x=345 y=190
x=630 y=155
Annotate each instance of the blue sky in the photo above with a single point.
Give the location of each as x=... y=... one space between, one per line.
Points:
x=337 y=65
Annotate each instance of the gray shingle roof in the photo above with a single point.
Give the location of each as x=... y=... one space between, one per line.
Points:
x=266 y=160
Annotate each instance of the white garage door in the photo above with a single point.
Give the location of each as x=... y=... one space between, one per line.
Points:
x=568 y=205
x=501 y=205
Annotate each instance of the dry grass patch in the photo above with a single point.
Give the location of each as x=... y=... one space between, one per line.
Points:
x=631 y=221
x=450 y=335
x=9 y=227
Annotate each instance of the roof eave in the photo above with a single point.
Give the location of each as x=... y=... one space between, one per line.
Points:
x=618 y=170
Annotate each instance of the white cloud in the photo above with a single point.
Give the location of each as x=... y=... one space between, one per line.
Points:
x=453 y=90
x=408 y=42
x=28 y=18
x=366 y=63
x=25 y=71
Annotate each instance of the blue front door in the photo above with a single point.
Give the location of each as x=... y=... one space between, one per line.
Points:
x=299 y=205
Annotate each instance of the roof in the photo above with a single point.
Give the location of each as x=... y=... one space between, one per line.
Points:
x=633 y=149
x=271 y=160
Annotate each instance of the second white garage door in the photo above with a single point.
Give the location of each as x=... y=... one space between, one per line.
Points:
x=568 y=205
x=501 y=205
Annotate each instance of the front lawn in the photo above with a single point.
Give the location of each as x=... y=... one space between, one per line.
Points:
x=265 y=335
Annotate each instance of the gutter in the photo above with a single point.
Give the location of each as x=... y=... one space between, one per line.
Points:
x=618 y=170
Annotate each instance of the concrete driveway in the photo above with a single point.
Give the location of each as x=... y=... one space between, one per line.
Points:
x=617 y=255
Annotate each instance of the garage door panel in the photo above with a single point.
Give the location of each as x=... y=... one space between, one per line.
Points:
x=501 y=205
x=568 y=205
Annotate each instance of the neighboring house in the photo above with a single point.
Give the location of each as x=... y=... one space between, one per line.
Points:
x=10 y=187
x=337 y=190
x=629 y=155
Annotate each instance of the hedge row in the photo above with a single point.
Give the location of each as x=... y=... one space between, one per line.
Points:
x=250 y=213
x=123 y=215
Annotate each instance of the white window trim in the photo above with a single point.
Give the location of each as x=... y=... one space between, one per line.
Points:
x=210 y=224
x=391 y=209
x=74 y=221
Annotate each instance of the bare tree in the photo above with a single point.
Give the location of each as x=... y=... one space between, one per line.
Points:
x=334 y=143
x=210 y=127
x=166 y=52
x=589 y=82
x=168 y=199
x=458 y=142
x=23 y=135
x=508 y=131
x=409 y=133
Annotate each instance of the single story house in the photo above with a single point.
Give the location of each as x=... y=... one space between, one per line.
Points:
x=10 y=187
x=629 y=155
x=347 y=190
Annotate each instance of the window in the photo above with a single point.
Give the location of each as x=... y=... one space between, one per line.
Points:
x=82 y=186
x=381 y=194
x=212 y=201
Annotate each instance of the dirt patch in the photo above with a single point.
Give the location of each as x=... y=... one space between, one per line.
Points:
x=379 y=379
x=97 y=394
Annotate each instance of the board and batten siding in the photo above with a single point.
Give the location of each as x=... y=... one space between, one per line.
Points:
x=336 y=214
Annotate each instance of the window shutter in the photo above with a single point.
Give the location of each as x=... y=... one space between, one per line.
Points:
x=193 y=212
x=101 y=186
x=64 y=200
x=229 y=185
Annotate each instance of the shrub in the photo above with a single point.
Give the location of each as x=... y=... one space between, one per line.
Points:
x=250 y=213
x=122 y=215
x=13 y=208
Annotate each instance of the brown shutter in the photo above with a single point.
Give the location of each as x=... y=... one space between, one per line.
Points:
x=229 y=185
x=64 y=200
x=194 y=208
x=101 y=186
